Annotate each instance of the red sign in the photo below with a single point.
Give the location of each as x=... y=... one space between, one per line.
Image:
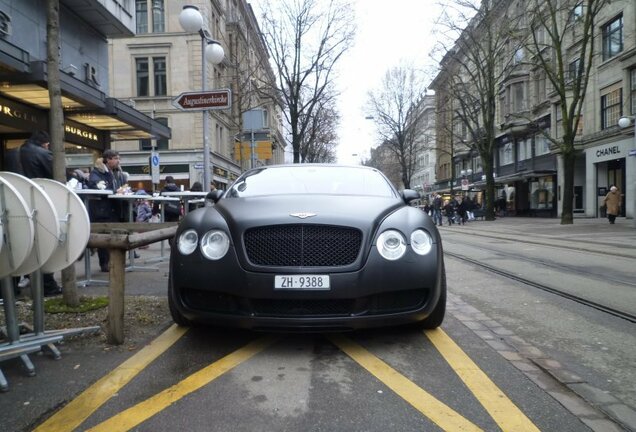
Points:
x=213 y=99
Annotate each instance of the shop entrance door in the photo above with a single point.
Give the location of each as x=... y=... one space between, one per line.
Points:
x=616 y=176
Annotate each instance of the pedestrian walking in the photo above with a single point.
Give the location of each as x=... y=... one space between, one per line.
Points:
x=436 y=207
x=613 y=202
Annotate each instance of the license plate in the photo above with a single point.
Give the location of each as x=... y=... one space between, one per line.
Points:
x=308 y=282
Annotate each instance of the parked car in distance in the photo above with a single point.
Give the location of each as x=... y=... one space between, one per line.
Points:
x=308 y=247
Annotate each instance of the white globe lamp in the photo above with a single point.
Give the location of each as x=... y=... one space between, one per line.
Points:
x=191 y=19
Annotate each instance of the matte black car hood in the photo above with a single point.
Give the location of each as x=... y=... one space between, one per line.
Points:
x=360 y=212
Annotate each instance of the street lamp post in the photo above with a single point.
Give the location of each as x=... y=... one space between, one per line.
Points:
x=624 y=123
x=191 y=21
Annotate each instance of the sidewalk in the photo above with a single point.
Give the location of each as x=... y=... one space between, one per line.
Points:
x=594 y=234
x=151 y=280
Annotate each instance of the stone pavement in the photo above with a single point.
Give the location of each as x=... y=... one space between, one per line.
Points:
x=585 y=233
x=148 y=278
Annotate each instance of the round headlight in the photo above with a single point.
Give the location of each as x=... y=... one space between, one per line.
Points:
x=215 y=244
x=421 y=242
x=391 y=245
x=188 y=242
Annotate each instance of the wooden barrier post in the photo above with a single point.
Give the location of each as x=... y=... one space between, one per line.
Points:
x=116 y=238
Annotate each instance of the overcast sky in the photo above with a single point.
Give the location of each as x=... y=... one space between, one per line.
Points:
x=387 y=33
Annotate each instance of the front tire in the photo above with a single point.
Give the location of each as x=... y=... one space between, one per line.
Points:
x=436 y=317
x=177 y=316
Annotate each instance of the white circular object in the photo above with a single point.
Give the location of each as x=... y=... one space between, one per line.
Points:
x=45 y=222
x=190 y=19
x=18 y=229
x=214 y=53
x=624 y=122
x=75 y=226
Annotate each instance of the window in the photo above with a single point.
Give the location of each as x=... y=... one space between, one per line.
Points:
x=158 y=13
x=574 y=70
x=157 y=17
x=519 y=97
x=141 y=71
x=632 y=91
x=162 y=144
x=541 y=145
x=505 y=154
x=577 y=12
x=142 y=16
x=524 y=149
x=159 y=67
x=518 y=57
x=477 y=164
x=144 y=74
x=613 y=37
x=611 y=104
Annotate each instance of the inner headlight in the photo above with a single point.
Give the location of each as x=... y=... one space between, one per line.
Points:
x=187 y=242
x=421 y=242
x=215 y=244
x=391 y=245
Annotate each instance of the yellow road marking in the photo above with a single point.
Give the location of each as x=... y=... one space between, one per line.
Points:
x=438 y=412
x=80 y=408
x=503 y=411
x=139 y=413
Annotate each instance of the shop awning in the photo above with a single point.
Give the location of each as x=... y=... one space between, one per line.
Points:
x=83 y=104
x=518 y=176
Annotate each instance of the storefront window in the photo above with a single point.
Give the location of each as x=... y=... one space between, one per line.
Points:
x=541 y=193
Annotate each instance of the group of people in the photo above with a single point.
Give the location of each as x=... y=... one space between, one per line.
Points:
x=36 y=161
x=457 y=210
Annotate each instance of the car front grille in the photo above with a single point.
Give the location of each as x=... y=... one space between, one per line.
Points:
x=302 y=245
x=378 y=304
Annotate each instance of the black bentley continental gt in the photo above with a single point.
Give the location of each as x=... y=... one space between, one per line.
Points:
x=308 y=247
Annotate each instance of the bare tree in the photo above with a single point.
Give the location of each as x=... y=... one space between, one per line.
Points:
x=472 y=70
x=561 y=41
x=320 y=141
x=305 y=39
x=56 y=128
x=397 y=113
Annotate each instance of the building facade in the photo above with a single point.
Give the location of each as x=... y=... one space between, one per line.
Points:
x=94 y=120
x=528 y=167
x=162 y=61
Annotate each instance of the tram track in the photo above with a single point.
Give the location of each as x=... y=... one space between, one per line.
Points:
x=595 y=305
x=569 y=244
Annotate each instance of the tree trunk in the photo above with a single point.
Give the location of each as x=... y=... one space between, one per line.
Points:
x=56 y=128
x=567 y=216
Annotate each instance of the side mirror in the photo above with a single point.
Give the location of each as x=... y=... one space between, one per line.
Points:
x=409 y=195
x=214 y=196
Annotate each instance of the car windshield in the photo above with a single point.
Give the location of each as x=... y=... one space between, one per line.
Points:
x=310 y=179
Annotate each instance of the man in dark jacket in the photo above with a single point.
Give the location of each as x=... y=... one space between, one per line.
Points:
x=35 y=157
x=37 y=162
x=172 y=210
x=105 y=175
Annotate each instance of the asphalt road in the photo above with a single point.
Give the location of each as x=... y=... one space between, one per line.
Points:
x=506 y=358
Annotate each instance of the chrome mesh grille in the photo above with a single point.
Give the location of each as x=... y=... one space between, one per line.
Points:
x=302 y=245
